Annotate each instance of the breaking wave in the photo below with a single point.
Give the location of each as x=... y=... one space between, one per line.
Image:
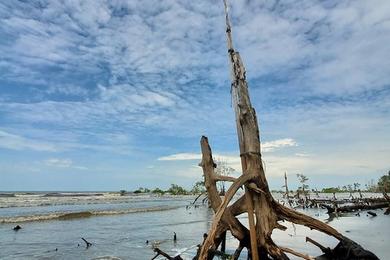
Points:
x=80 y=214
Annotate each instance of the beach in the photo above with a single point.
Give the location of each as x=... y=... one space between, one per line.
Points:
x=119 y=226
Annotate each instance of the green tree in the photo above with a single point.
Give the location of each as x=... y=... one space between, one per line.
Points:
x=177 y=190
x=330 y=190
x=303 y=179
x=142 y=190
x=158 y=191
x=384 y=183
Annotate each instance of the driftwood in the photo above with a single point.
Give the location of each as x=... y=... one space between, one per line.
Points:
x=345 y=249
x=345 y=201
x=387 y=212
x=162 y=253
x=352 y=208
x=87 y=244
x=264 y=213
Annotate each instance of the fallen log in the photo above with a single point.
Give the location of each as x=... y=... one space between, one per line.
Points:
x=352 y=208
x=345 y=201
x=348 y=249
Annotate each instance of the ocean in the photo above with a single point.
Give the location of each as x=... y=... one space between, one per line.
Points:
x=53 y=225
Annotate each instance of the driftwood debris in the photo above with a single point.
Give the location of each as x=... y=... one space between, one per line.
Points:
x=352 y=208
x=162 y=253
x=387 y=212
x=87 y=244
x=356 y=204
x=264 y=213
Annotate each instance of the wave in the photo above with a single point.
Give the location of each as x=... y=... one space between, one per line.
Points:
x=80 y=214
x=7 y=195
x=58 y=199
x=106 y=258
x=58 y=194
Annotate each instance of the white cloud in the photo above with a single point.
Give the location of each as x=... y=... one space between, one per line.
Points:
x=61 y=163
x=16 y=142
x=280 y=143
x=266 y=147
x=181 y=156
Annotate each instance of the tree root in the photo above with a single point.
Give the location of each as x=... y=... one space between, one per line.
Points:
x=162 y=253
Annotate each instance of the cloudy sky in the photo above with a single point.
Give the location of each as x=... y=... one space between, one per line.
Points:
x=108 y=95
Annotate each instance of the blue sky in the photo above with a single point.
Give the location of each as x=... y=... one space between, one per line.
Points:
x=109 y=95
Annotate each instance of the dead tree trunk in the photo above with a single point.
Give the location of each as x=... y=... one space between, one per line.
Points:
x=263 y=211
x=287 y=191
x=285 y=185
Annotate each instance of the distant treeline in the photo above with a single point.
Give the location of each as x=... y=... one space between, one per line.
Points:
x=382 y=185
x=173 y=190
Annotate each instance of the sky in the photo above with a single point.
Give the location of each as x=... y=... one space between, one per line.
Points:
x=109 y=95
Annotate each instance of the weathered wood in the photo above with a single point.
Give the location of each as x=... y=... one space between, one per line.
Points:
x=228 y=219
x=348 y=249
x=239 y=85
x=162 y=253
x=287 y=193
x=293 y=252
x=263 y=211
x=352 y=208
x=325 y=250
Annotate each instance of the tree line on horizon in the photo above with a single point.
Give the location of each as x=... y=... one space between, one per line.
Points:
x=382 y=185
x=174 y=189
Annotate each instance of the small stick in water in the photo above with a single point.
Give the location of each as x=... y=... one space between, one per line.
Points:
x=86 y=242
x=174 y=237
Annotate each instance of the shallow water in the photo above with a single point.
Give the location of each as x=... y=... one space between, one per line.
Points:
x=123 y=235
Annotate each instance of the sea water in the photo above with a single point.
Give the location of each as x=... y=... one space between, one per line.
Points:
x=119 y=226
